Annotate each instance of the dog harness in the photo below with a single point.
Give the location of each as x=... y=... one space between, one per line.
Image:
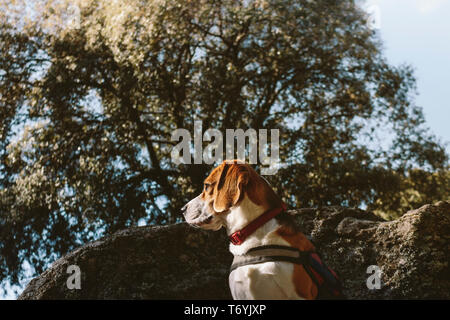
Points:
x=269 y=253
x=326 y=280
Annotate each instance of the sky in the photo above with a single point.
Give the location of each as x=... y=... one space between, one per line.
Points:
x=416 y=32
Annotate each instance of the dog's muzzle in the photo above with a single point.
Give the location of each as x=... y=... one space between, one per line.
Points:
x=196 y=213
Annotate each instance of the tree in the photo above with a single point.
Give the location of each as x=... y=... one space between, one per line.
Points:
x=90 y=92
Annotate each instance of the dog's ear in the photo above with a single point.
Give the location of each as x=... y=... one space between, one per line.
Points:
x=230 y=188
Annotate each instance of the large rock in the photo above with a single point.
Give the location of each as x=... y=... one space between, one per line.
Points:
x=181 y=262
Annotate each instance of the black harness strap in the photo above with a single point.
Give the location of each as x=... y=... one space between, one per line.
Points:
x=270 y=253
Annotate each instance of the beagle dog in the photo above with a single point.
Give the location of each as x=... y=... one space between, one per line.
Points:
x=237 y=198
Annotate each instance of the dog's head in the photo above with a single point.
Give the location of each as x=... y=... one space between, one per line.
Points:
x=224 y=189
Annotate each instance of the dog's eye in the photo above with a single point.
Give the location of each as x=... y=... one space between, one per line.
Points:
x=207 y=185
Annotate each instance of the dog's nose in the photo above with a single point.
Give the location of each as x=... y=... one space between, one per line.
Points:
x=183 y=210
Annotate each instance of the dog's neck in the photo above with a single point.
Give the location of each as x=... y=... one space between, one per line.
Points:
x=242 y=215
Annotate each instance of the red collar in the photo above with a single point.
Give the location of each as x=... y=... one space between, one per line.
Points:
x=239 y=236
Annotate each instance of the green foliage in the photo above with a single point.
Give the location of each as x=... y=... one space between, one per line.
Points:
x=88 y=104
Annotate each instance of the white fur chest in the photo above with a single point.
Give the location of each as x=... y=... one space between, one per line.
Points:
x=264 y=281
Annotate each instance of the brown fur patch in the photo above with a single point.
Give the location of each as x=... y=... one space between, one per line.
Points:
x=231 y=180
x=259 y=191
x=226 y=185
x=304 y=285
